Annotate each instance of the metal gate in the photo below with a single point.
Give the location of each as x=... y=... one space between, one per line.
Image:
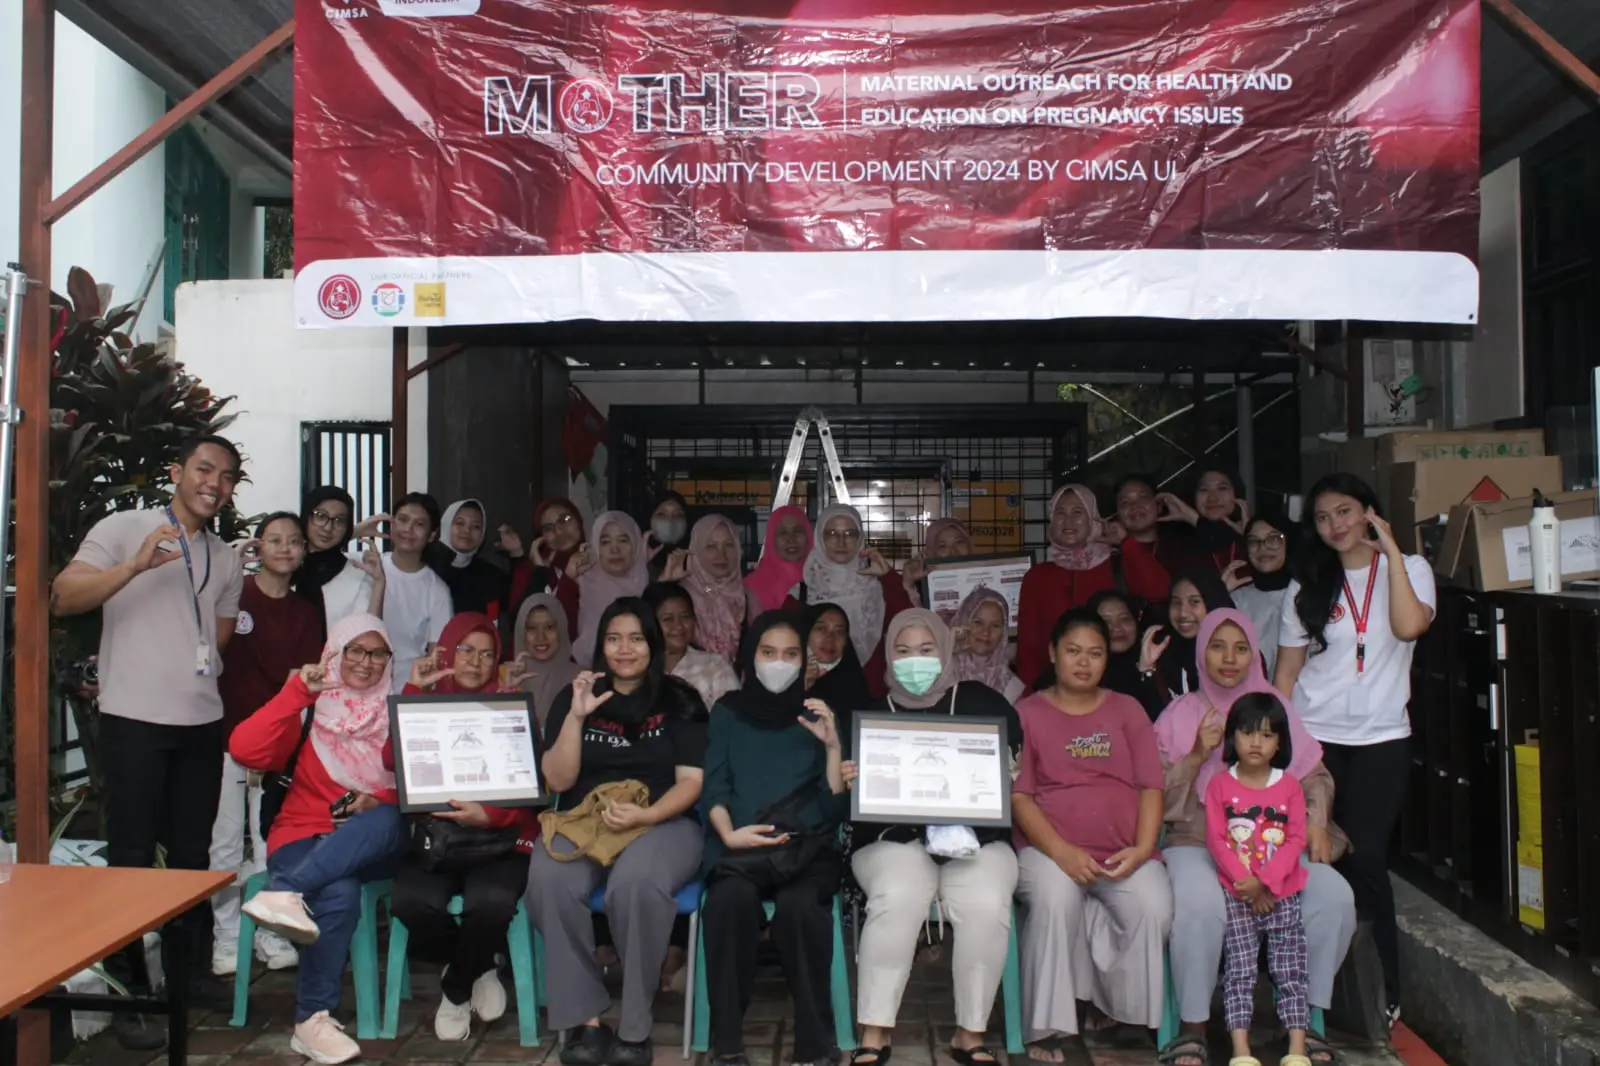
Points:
x=994 y=466
x=352 y=455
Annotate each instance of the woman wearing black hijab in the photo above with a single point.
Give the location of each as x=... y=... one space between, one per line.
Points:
x=1120 y=613
x=338 y=585
x=775 y=796
x=666 y=529
x=833 y=673
x=1270 y=542
x=1168 y=652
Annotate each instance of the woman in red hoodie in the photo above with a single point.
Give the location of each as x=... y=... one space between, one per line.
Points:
x=466 y=661
x=1080 y=564
x=558 y=536
x=338 y=825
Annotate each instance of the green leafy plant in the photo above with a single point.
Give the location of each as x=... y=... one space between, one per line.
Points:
x=119 y=414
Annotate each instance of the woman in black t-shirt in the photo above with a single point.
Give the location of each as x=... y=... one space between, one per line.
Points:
x=626 y=720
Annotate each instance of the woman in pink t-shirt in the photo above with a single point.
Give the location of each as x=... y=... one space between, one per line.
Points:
x=1087 y=809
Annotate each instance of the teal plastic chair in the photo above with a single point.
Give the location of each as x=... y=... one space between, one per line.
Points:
x=1172 y=1021
x=526 y=986
x=363 y=956
x=844 y=1029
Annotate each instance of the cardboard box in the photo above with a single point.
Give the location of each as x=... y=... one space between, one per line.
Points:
x=1530 y=884
x=1421 y=491
x=1369 y=457
x=1486 y=545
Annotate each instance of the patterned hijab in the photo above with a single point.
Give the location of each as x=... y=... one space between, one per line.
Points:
x=720 y=603
x=858 y=595
x=993 y=669
x=350 y=726
x=1084 y=556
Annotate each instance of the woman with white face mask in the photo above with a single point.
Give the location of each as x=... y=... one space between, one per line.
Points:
x=666 y=530
x=774 y=788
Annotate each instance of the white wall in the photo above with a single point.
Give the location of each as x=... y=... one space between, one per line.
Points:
x=239 y=338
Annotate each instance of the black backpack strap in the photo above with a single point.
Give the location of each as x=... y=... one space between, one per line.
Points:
x=305 y=733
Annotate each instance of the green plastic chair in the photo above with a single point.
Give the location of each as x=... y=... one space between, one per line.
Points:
x=527 y=987
x=363 y=956
x=839 y=987
x=1172 y=1021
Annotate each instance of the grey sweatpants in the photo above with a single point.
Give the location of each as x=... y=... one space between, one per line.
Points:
x=1200 y=922
x=641 y=909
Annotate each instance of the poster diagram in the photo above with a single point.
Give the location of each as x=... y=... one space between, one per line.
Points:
x=452 y=749
x=927 y=769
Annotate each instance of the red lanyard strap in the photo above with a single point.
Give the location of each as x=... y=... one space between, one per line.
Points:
x=1361 y=617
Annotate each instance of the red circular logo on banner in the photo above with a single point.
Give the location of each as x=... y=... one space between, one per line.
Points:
x=339 y=297
x=1336 y=615
x=585 y=106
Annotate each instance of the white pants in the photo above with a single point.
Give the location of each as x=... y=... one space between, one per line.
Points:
x=901 y=882
x=238 y=811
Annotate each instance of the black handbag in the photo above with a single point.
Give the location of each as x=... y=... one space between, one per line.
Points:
x=770 y=868
x=275 y=786
x=443 y=847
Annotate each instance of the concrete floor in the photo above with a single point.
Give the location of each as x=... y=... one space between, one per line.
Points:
x=926 y=1025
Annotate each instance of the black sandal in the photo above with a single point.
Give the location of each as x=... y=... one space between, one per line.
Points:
x=975 y=1056
x=1185 y=1045
x=1316 y=1045
x=880 y=1055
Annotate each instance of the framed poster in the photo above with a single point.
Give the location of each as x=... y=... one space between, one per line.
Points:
x=950 y=581
x=474 y=746
x=923 y=769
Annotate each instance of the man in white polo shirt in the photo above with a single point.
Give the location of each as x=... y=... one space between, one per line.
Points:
x=169 y=590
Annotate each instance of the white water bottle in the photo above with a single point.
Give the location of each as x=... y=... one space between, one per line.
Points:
x=1544 y=544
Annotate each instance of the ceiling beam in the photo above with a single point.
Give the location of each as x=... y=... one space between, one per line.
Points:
x=1552 y=51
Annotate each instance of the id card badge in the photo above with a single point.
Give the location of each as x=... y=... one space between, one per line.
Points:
x=202 y=659
x=1357 y=707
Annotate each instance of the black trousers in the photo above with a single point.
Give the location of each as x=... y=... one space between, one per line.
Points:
x=163 y=784
x=489 y=896
x=1369 y=789
x=802 y=931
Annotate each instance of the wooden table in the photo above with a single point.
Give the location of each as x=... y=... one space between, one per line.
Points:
x=58 y=920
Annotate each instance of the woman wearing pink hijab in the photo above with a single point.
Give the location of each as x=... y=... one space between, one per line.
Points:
x=721 y=603
x=983 y=644
x=616 y=565
x=1080 y=565
x=1189 y=736
x=783 y=558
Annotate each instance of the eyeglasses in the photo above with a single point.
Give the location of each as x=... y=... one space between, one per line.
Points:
x=320 y=517
x=1271 y=540
x=564 y=520
x=841 y=534
x=471 y=654
x=293 y=545
x=355 y=653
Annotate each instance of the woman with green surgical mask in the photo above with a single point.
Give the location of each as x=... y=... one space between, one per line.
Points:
x=901 y=879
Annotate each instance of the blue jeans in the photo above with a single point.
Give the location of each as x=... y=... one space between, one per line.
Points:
x=328 y=871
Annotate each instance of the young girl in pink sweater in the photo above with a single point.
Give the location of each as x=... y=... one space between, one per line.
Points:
x=1256 y=831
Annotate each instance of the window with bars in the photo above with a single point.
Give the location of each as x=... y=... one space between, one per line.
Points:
x=994 y=467
x=352 y=455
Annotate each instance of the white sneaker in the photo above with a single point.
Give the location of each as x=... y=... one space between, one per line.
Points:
x=275 y=951
x=452 y=1021
x=284 y=913
x=225 y=958
x=489 y=996
x=321 y=1039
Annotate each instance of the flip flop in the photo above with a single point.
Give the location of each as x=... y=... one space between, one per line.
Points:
x=1185 y=1046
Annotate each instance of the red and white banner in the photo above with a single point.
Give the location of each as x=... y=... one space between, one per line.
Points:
x=480 y=161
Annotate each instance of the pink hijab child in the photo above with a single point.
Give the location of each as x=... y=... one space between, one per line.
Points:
x=721 y=604
x=783 y=558
x=618 y=567
x=1179 y=724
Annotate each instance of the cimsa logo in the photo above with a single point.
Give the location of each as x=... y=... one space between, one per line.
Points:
x=338 y=10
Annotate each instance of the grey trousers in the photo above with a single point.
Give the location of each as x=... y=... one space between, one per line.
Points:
x=640 y=907
x=1103 y=942
x=1200 y=919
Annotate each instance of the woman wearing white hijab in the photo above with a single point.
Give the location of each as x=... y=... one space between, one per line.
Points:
x=843 y=571
x=476 y=585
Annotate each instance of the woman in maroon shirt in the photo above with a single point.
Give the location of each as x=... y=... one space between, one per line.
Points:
x=558 y=536
x=1087 y=807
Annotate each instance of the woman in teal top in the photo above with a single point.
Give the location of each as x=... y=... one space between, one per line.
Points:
x=775 y=793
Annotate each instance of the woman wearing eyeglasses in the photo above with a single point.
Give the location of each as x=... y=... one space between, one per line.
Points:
x=339 y=585
x=841 y=570
x=338 y=825
x=547 y=565
x=467 y=660
x=1267 y=540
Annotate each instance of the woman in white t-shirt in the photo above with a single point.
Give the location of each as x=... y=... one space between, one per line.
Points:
x=1350 y=621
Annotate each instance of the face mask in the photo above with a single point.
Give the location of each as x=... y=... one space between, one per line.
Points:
x=823 y=668
x=918 y=673
x=776 y=675
x=669 y=530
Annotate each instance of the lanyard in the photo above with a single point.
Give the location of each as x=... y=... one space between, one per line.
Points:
x=188 y=564
x=1361 y=617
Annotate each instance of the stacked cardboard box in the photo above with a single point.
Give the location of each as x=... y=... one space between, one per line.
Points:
x=1530 y=837
x=1486 y=544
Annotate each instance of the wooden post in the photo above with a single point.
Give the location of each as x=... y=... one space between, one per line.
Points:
x=1355 y=381
x=399 y=416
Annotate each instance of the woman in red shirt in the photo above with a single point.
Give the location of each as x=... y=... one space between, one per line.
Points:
x=1080 y=565
x=466 y=661
x=558 y=536
x=338 y=825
